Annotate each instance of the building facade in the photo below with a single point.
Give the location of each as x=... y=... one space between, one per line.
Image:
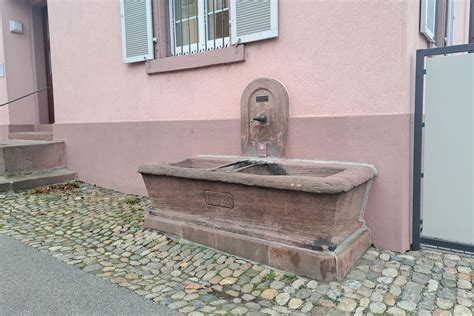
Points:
x=348 y=67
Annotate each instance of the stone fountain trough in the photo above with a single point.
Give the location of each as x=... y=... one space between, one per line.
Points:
x=303 y=216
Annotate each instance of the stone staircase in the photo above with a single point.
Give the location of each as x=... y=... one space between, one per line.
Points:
x=41 y=132
x=31 y=136
x=32 y=159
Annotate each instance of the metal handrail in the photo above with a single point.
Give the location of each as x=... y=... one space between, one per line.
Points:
x=26 y=95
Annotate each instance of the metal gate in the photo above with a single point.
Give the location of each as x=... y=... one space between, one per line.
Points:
x=443 y=172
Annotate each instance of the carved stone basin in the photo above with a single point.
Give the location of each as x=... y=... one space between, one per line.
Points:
x=301 y=216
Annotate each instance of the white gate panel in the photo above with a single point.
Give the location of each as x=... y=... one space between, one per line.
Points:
x=448 y=188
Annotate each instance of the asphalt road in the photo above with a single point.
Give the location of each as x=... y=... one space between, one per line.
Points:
x=32 y=283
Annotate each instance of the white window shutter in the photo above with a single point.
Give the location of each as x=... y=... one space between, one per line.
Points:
x=428 y=19
x=253 y=20
x=450 y=23
x=137 y=30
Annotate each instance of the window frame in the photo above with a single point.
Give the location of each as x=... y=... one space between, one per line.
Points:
x=203 y=42
x=165 y=62
x=444 y=14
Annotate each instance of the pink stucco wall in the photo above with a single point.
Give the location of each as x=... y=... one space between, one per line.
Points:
x=337 y=60
x=348 y=67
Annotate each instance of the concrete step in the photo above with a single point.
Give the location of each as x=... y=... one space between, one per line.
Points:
x=44 y=127
x=29 y=181
x=27 y=156
x=45 y=135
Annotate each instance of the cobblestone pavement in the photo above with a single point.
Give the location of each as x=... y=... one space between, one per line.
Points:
x=99 y=231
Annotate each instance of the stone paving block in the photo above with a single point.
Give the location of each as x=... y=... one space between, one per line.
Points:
x=101 y=232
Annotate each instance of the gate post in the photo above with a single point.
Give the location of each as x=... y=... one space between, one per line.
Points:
x=418 y=149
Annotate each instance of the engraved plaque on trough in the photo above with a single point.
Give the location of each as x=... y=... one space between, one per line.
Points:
x=220 y=199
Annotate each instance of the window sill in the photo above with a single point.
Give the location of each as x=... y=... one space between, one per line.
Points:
x=233 y=54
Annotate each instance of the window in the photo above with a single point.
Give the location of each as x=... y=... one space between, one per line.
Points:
x=437 y=20
x=198 y=25
x=173 y=28
x=428 y=19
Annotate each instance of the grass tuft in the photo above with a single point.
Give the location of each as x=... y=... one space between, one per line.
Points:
x=132 y=200
x=271 y=276
x=291 y=277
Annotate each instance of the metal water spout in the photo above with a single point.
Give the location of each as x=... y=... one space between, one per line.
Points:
x=261 y=118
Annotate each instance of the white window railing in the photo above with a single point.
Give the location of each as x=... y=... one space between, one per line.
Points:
x=198 y=25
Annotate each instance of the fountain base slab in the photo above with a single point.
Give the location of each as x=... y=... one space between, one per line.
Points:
x=320 y=265
x=305 y=217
